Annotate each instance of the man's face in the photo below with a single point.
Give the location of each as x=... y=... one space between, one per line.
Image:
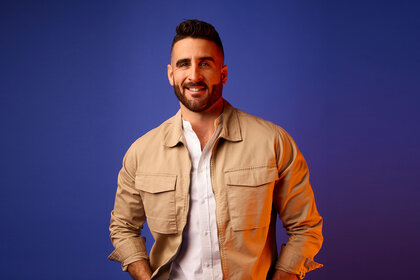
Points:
x=197 y=73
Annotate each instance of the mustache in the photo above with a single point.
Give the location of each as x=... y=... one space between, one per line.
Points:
x=195 y=84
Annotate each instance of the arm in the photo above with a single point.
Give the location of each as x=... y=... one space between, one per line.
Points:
x=140 y=270
x=127 y=219
x=294 y=200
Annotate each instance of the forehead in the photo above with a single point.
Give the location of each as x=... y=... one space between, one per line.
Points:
x=195 y=47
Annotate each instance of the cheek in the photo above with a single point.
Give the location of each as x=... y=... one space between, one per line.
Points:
x=179 y=79
x=215 y=81
x=215 y=77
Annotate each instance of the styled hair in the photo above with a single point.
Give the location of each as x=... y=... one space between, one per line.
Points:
x=194 y=28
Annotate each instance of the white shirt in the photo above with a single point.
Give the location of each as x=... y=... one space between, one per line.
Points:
x=199 y=256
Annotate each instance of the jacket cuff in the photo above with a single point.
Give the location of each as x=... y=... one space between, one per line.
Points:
x=291 y=262
x=131 y=250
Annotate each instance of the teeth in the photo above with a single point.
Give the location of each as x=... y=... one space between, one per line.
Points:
x=194 y=89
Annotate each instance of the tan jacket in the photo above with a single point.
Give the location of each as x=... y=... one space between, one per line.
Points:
x=257 y=172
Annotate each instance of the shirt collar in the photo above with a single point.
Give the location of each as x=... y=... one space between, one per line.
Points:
x=231 y=129
x=187 y=125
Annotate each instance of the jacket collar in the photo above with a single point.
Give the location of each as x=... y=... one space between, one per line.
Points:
x=231 y=130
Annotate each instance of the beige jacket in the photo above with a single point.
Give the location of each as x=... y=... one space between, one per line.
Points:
x=257 y=172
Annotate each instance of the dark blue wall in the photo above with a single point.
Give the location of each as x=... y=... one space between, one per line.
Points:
x=81 y=80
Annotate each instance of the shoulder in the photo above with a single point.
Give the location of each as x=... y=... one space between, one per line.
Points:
x=257 y=132
x=256 y=125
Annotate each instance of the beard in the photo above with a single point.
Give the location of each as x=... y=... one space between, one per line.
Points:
x=202 y=104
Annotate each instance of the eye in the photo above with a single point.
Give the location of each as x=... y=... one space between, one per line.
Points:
x=183 y=63
x=204 y=64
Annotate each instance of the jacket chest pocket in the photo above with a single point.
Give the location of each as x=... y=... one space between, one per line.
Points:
x=158 y=195
x=250 y=196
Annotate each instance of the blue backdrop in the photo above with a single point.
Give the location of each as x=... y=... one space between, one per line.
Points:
x=81 y=80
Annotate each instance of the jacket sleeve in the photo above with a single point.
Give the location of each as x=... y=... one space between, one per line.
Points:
x=127 y=217
x=295 y=203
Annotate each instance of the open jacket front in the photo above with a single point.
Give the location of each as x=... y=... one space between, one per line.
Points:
x=257 y=173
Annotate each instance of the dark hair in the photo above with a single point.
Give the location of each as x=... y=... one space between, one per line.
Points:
x=195 y=28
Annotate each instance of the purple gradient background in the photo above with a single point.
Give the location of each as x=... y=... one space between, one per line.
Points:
x=81 y=80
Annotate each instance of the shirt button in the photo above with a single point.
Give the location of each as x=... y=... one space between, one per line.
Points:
x=206 y=233
x=203 y=201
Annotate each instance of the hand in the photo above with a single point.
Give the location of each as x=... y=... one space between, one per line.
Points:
x=282 y=275
x=140 y=270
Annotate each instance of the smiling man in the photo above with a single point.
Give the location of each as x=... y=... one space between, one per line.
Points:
x=198 y=74
x=211 y=182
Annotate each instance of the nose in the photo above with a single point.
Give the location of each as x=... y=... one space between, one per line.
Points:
x=195 y=74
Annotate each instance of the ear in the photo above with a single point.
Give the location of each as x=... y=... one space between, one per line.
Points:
x=224 y=74
x=170 y=75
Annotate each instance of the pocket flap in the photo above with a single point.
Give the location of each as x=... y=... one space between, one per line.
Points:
x=252 y=177
x=155 y=183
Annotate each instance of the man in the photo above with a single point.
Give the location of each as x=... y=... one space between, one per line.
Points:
x=210 y=183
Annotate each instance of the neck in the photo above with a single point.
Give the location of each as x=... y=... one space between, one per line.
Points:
x=203 y=122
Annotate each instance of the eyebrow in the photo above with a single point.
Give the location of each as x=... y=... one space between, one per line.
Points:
x=184 y=60
x=206 y=58
x=187 y=60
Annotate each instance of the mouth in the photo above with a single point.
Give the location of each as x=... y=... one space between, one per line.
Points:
x=195 y=89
